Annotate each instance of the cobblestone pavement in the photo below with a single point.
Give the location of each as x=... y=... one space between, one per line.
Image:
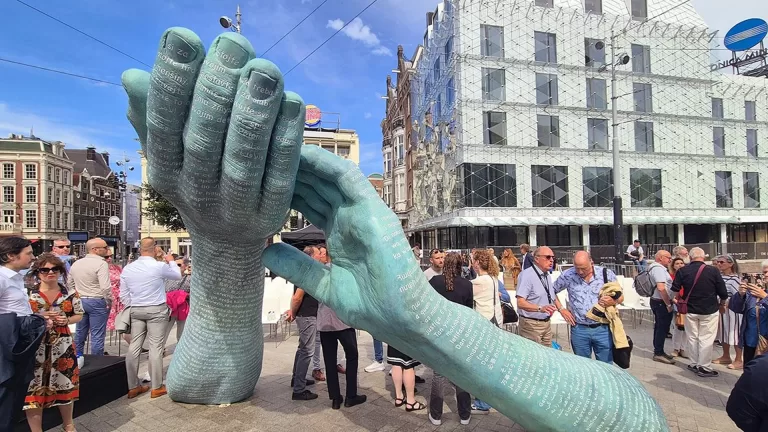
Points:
x=690 y=403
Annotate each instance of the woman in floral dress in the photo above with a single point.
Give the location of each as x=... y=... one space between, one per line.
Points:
x=57 y=377
x=117 y=306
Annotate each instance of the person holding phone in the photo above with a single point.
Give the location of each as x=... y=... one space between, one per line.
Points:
x=751 y=301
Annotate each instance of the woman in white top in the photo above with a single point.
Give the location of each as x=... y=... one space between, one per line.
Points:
x=729 y=332
x=485 y=286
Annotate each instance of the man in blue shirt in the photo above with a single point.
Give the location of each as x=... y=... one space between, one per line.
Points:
x=536 y=299
x=583 y=282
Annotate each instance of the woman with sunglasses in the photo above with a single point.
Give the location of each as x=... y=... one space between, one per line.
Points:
x=729 y=333
x=57 y=377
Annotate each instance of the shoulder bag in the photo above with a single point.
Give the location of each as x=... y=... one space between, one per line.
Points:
x=762 y=342
x=682 y=303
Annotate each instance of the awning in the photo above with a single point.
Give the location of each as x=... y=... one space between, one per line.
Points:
x=308 y=235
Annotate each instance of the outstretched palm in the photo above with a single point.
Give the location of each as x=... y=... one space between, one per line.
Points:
x=222 y=142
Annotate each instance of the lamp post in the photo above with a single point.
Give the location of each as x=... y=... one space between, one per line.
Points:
x=123 y=188
x=226 y=21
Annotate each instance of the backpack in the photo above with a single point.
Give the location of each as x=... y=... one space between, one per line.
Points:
x=643 y=284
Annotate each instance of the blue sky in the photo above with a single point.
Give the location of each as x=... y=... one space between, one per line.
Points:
x=346 y=76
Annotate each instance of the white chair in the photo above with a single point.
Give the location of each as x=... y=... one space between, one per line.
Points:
x=270 y=311
x=633 y=301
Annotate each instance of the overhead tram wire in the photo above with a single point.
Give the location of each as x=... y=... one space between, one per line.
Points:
x=294 y=27
x=59 y=72
x=83 y=33
x=330 y=37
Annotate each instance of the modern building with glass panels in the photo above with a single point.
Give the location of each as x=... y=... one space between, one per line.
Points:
x=512 y=127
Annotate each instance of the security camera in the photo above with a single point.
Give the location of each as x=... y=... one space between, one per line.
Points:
x=623 y=58
x=599 y=45
x=225 y=22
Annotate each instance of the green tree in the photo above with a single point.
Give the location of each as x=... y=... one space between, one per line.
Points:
x=157 y=208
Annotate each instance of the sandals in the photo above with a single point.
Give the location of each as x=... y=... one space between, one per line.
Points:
x=399 y=402
x=733 y=367
x=416 y=406
x=722 y=362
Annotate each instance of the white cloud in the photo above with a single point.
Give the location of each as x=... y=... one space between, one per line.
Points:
x=367 y=115
x=357 y=30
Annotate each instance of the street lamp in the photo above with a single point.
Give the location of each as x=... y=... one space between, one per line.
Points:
x=123 y=188
x=618 y=218
x=226 y=21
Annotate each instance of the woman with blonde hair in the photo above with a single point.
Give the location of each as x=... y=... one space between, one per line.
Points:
x=511 y=268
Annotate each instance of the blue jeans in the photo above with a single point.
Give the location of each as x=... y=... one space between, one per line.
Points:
x=94 y=322
x=640 y=264
x=584 y=340
x=661 y=326
x=378 y=351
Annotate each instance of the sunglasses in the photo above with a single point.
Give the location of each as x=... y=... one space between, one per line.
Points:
x=62 y=247
x=46 y=270
x=549 y=257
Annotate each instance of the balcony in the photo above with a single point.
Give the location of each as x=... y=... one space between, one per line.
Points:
x=399 y=162
x=9 y=228
x=387 y=174
x=386 y=142
x=397 y=122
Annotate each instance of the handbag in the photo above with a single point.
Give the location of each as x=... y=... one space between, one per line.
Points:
x=762 y=342
x=509 y=312
x=682 y=303
x=621 y=356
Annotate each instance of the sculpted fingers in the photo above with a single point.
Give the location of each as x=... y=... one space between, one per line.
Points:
x=347 y=177
x=257 y=104
x=208 y=121
x=136 y=85
x=170 y=92
x=283 y=157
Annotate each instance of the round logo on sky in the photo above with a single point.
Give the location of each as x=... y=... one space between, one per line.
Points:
x=313 y=116
x=746 y=34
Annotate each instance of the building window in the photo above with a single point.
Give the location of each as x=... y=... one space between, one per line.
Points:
x=58 y=197
x=341 y=151
x=50 y=174
x=401 y=188
x=598 y=186
x=549 y=186
x=438 y=107
x=9 y=171
x=643 y=96
x=641 y=58
x=450 y=94
x=751 y=190
x=49 y=220
x=593 y=6
x=30 y=171
x=596 y=94
x=30 y=218
x=49 y=196
x=639 y=9
x=9 y=216
x=752 y=142
x=718 y=140
x=717 y=108
x=492 y=41
x=493 y=84
x=436 y=70
x=546 y=47
x=597 y=130
x=645 y=187
x=594 y=57
x=548 y=130
x=58 y=175
x=723 y=189
x=546 y=89
x=489 y=185
x=9 y=194
x=545 y=3
x=400 y=149
x=66 y=198
x=66 y=177
x=30 y=194
x=750 y=111
x=58 y=220
x=644 y=137
x=448 y=49
x=495 y=128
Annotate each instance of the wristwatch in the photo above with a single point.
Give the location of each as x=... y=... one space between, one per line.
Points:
x=539 y=309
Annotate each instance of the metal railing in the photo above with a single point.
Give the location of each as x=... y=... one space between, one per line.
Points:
x=10 y=227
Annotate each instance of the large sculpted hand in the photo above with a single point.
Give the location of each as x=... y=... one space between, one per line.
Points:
x=222 y=142
x=375 y=284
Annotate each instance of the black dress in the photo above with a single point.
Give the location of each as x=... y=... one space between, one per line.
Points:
x=397 y=358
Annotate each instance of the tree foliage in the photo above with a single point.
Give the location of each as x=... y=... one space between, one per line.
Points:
x=162 y=212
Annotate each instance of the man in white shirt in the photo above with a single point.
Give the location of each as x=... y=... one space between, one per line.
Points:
x=636 y=255
x=437 y=259
x=142 y=288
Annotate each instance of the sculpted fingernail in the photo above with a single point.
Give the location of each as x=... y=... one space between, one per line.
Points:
x=291 y=109
x=262 y=86
x=178 y=49
x=231 y=54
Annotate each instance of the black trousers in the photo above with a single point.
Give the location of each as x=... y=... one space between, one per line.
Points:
x=348 y=340
x=748 y=354
x=21 y=350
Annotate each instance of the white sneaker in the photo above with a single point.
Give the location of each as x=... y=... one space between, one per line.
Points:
x=435 y=422
x=80 y=362
x=375 y=367
x=145 y=377
x=466 y=422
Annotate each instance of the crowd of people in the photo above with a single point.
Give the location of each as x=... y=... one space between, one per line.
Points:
x=40 y=297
